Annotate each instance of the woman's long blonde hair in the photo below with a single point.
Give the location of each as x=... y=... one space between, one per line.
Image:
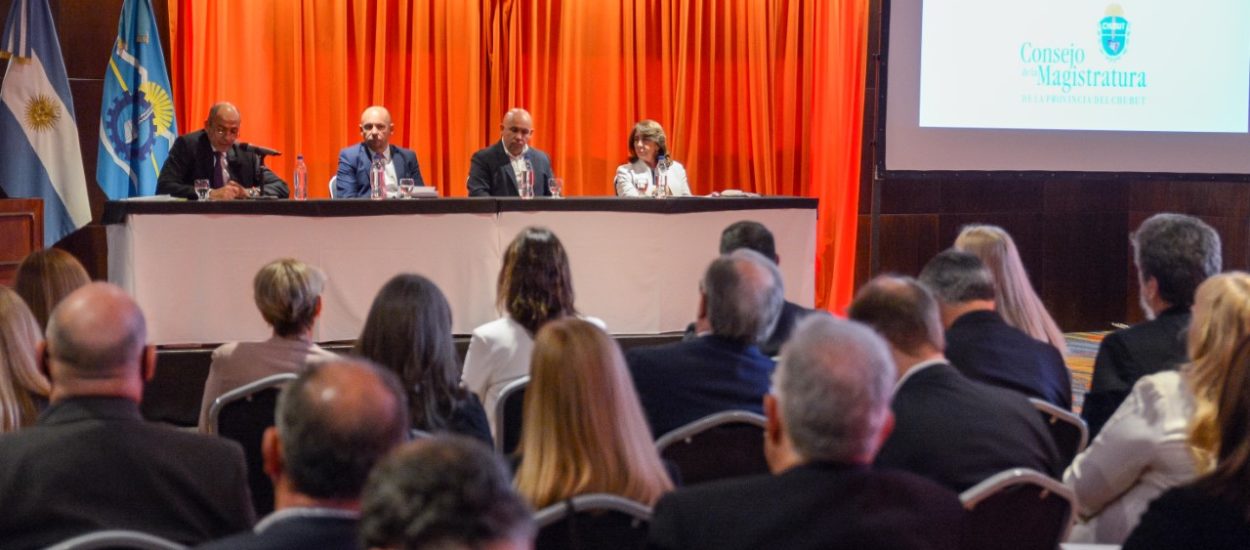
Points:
x=1014 y=297
x=1221 y=319
x=584 y=430
x=20 y=378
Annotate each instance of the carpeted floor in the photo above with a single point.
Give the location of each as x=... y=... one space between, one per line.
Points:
x=1082 y=347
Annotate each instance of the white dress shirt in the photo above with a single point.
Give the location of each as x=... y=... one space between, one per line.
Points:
x=630 y=177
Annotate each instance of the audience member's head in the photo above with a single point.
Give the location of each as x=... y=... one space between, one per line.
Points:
x=45 y=277
x=288 y=294
x=742 y=296
x=408 y=331
x=97 y=345
x=750 y=235
x=1221 y=320
x=902 y=311
x=584 y=430
x=1174 y=253
x=332 y=424
x=1015 y=298
x=831 y=395
x=1230 y=480
x=444 y=493
x=21 y=383
x=960 y=282
x=535 y=283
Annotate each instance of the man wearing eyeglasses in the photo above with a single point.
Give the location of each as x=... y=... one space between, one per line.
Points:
x=355 y=162
x=495 y=170
x=233 y=172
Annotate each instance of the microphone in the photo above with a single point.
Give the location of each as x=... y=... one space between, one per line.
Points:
x=257 y=149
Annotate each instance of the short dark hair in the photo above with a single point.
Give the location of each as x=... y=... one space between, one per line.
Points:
x=1179 y=251
x=955 y=277
x=900 y=309
x=446 y=491
x=328 y=452
x=535 y=283
x=748 y=234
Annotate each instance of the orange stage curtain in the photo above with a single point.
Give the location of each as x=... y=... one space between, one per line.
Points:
x=760 y=95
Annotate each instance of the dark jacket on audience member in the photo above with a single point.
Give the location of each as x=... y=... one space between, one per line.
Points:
x=820 y=505
x=958 y=432
x=289 y=530
x=93 y=463
x=682 y=382
x=986 y=349
x=1129 y=354
x=1185 y=517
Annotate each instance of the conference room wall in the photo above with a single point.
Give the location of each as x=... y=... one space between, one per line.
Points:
x=1072 y=235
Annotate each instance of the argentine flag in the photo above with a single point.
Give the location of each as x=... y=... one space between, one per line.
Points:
x=39 y=153
x=137 y=124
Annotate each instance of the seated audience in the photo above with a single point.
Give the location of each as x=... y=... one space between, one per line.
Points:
x=535 y=286
x=91 y=462
x=1014 y=297
x=983 y=346
x=288 y=294
x=948 y=428
x=332 y=424
x=45 y=277
x=583 y=430
x=827 y=416
x=23 y=389
x=1174 y=253
x=1165 y=432
x=408 y=331
x=1213 y=512
x=637 y=178
x=444 y=493
x=679 y=383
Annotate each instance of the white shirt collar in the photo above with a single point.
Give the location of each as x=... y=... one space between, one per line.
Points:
x=939 y=360
x=512 y=157
x=298 y=512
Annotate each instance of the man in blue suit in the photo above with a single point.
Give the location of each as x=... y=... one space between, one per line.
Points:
x=355 y=162
x=493 y=170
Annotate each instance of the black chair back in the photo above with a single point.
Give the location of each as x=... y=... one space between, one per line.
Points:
x=597 y=521
x=1068 y=430
x=1020 y=509
x=243 y=415
x=719 y=446
x=509 y=411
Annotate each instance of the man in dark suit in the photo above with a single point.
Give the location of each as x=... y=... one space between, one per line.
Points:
x=91 y=462
x=827 y=416
x=234 y=171
x=356 y=162
x=493 y=171
x=1174 y=253
x=983 y=346
x=333 y=423
x=682 y=382
x=948 y=428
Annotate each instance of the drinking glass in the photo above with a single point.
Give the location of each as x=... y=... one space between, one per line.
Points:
x=406 y=185
x=201 y=189
x=557 y=188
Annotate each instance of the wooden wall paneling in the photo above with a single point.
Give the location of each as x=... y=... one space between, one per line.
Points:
x=1085 y=269
x=908 y=241
x=21 y=223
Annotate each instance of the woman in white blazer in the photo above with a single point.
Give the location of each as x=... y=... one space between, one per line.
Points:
x=637 y=177
x=1164 y=434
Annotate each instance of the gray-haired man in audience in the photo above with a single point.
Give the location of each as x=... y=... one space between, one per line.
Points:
x=333 y=424
x=827 y=416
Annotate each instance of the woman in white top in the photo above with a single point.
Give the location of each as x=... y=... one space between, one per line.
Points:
x=535 y=286
x=1164 y=433
x=637 y=178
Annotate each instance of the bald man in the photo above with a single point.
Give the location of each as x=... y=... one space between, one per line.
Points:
x=494 y=170
x=376 y=128
x=91 y=462
x=232 y=170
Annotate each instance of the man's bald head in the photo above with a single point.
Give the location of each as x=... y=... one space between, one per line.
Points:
x=516 y=130
x=376 y=128
x=97 y=332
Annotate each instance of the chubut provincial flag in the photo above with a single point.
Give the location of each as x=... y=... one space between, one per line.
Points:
x=137 y=124
x=39 y=153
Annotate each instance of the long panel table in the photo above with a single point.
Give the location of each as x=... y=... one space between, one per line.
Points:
x=636 y=262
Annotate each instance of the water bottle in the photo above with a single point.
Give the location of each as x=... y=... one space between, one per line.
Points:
x=299 y=183
x=527 y=190
x=661 y=177
x=377 y=179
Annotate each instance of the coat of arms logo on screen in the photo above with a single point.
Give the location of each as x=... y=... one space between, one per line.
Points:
x=1113 y=32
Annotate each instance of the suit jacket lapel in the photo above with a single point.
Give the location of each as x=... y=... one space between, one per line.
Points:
x=508 y=172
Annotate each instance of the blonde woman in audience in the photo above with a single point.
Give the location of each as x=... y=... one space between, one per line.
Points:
x=45 y=277
x=583 y=429
x=1166 y=431
x=1016 y=300
x=23 y=389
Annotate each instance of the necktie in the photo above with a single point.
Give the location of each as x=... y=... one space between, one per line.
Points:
x=220 y=176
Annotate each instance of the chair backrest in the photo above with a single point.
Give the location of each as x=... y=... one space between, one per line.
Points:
x=117 y=538
x=718 y=446
x=598 y=521
x=1019 y=508
x=333 y=179
x=508 y=415
x=1068 y=430
x=243 y=415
